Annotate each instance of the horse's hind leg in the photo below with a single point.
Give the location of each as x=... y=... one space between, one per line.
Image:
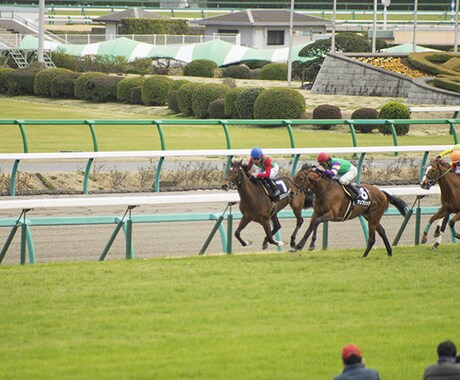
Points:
x=243 y=223
x=441 y=213
x=383 y=235
x=439 y=227
x=312 y=245
x=371 y=240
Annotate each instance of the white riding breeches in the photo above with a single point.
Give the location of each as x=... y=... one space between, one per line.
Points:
x=349 y=176
x=273 y=172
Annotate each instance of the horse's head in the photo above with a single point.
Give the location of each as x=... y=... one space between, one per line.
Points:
x=235 y=175
x=300 y=183
x=436 y=169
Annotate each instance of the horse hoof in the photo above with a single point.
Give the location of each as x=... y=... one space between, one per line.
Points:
x=423 y=241
x=293 y=249
x=311 y=248
x=280 y=243
x=434 y=247
x=264 y=246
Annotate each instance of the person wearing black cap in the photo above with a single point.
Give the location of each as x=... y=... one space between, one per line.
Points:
x=446 y=367
x=354 y=365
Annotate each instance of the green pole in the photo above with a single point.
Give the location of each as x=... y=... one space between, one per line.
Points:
x=353 y=134
x=228 y=144
x=86 y=176
x=14 y=172
x=364 y=227
x=93 y=134
x=9 y=239
x=453 y=130
x=393 y=132
x=156 y=185
x=30 y=244
x=325 y=235
x=22 y=128
x=229 y=230
x=360 y=167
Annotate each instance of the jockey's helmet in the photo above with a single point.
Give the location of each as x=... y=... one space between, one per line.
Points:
x=323 y=157
x=455 y=156
x=256 y=152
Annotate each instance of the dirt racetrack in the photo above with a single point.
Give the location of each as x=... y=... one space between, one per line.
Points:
x=86 y=242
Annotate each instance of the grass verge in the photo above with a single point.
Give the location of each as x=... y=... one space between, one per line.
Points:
x=270 y=316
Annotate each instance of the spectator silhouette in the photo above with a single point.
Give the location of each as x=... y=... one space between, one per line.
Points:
x=446 y=368
x=354 y=365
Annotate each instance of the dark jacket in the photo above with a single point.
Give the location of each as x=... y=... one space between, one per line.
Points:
x=358 y=372
x=444 y=369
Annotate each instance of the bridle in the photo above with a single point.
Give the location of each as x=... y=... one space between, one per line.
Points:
x=437 y=165
x=239 y=179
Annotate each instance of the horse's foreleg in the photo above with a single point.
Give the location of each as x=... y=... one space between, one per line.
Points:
x=370 y=242
x=312 y=245
x=314 y=223
x=383 y=235
x=441 y=213
x=299 y=222
x=440 y=228
x=243 y=223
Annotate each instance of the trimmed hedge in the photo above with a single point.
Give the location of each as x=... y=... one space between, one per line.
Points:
x=136 y=95
x=204 y=95
x=184 y=97
x=178 y=84
x=279 y=103
x=155 y=90
x=365 y=113
x=216 y=109
x=231 y=109
x=21 y=81
x=63 y=86
x=125 y=86
x=3 y=79
x=42 y=82
x=173 y=103
x=245 y=102
x=449 y=83
x=326 y=111
x=153 y=26
x=237 y=71
x=103 y=89
x=391 y=111
x=274 y=71
x=81 y=81
x=200 y=68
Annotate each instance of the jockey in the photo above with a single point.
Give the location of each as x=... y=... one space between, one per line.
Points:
x=340 y=169
x=267 y=169
x=455 y=161
x=446 y=152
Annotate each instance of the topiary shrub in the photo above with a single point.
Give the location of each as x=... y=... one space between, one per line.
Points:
x=21 y=81
x=103 y=89
x=173 y=103
x=136 y=95
x=155 y=90
x=184 y=97
x=237 y=71
x=274 y=71
x=392 y=111
x=141 y=66
x=80 y=84
x=63 y=86
x=230 y=102
x=125 y=86
x=200 y=68
x=326 y=111
x=178 y=84
x=279 y=103
x=42 y=82
x=3 y=82
x=365 y=113
x=203 y=95
x=245 y=102
x=216 y=109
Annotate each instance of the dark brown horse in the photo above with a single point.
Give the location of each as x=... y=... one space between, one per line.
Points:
x=438 y=171
x=256 y=206
x=332 y=204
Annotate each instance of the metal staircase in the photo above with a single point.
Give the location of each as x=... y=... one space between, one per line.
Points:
x=18 y=57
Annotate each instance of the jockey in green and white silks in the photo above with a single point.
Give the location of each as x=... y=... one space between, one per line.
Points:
x=340 y=169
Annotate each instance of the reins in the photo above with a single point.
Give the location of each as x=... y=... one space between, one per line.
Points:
x=439 y=169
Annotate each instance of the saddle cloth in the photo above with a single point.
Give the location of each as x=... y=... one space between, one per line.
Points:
x=363 y=199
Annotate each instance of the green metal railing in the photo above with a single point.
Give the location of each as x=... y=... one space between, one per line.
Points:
x=225 y=125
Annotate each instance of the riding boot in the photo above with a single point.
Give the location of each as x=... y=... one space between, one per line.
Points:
x=274 y=191
x=353 y=192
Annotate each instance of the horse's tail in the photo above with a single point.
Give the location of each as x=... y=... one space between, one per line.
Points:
x=397 y=202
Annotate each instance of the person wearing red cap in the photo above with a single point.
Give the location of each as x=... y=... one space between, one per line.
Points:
x=354 y=365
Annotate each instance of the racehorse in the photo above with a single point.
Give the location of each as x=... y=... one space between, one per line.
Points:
x=331 y=203
x=439 y=171
x=255 y=205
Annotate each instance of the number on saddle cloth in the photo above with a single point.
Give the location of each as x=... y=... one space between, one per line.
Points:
x=284 y=191
x=364 y=198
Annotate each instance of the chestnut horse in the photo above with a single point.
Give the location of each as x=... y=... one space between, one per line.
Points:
x=439 y=171
x=332 y=204
x=256 y=206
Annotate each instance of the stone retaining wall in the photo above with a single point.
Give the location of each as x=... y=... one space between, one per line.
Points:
x=342 y=75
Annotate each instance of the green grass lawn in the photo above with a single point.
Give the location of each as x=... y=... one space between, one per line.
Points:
x=255 y=316
x=48 y=138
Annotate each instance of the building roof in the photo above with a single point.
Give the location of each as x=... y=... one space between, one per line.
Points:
x=128 y=13
x=264 y=17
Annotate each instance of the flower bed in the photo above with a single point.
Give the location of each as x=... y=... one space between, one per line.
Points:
x=394 y=64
